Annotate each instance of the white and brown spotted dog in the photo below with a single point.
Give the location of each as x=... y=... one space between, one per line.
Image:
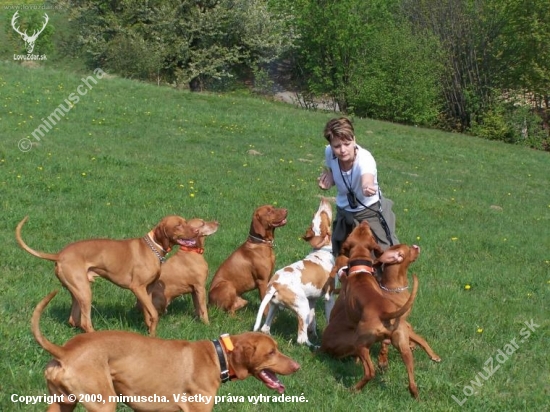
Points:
x=299 y=285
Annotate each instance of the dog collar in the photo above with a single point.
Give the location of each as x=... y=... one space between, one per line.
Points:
x=256 y=239
x=220 y=344
x=198 y=250
x=151 y=243
x=394 y=290
x=360 y=266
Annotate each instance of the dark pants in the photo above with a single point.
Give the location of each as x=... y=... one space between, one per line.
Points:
x=346 y=221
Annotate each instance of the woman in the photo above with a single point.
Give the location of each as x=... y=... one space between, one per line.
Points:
x=353 y=170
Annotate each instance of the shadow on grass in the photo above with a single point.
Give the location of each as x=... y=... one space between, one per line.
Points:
x=105 y=317
x=349 y=371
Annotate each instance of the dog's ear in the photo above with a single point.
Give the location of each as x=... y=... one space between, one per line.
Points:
x=325 y=225
x=309 y=234
x=161 y=235
x=240 y=357
x=346 y=247
x=257 y=225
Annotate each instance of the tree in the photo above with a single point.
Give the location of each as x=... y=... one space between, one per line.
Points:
x=366 y=58
x=523 y=48
x=183 y=41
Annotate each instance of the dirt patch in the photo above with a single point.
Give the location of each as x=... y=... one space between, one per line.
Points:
x=297 y=100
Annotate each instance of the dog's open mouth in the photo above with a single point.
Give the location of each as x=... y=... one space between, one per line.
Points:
x=271 y=381
x=187 y=242
x=279 y=223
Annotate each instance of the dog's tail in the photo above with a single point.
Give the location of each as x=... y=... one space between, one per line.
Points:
x=42 y=255
x=406 y=307
x=267 y=298
x=55 y=350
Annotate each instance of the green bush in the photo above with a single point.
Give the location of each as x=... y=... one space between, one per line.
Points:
x=133 y=57
x=262 y=81
x=492 y=125
x=397 y=79
x=512 y=123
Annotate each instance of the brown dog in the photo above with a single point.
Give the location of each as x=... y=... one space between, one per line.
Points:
x=364 y=315
x=185 y=272
x=131 y=264
x=251 y=265
x=100 y=369
x=392 y=283
x=360 y=235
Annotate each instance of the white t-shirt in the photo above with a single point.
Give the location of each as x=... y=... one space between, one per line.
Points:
x=364 y=163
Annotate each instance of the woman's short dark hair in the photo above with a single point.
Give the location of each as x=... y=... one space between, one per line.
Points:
x=340 y=128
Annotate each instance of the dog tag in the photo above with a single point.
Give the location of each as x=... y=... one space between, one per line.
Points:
x=227 y=342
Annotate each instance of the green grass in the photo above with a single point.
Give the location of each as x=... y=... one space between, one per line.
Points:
x=129 y=153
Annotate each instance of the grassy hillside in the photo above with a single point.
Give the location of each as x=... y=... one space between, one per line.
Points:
x=127 y=153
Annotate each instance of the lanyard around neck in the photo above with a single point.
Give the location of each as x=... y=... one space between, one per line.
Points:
x=348 y=186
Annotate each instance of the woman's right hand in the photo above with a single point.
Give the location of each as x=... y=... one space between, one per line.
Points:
x=326 y=181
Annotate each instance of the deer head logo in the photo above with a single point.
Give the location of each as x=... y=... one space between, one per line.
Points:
x=29 y=40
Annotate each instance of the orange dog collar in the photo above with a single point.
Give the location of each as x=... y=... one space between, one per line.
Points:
x=360 y=265
x=360 y=268
x=198 y=250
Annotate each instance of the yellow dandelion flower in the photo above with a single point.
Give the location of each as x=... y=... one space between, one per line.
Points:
x=479 y=330
x=83 y=173
x=467 y=287
x=418 y=238
x=192 y=194
x=454 y=238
